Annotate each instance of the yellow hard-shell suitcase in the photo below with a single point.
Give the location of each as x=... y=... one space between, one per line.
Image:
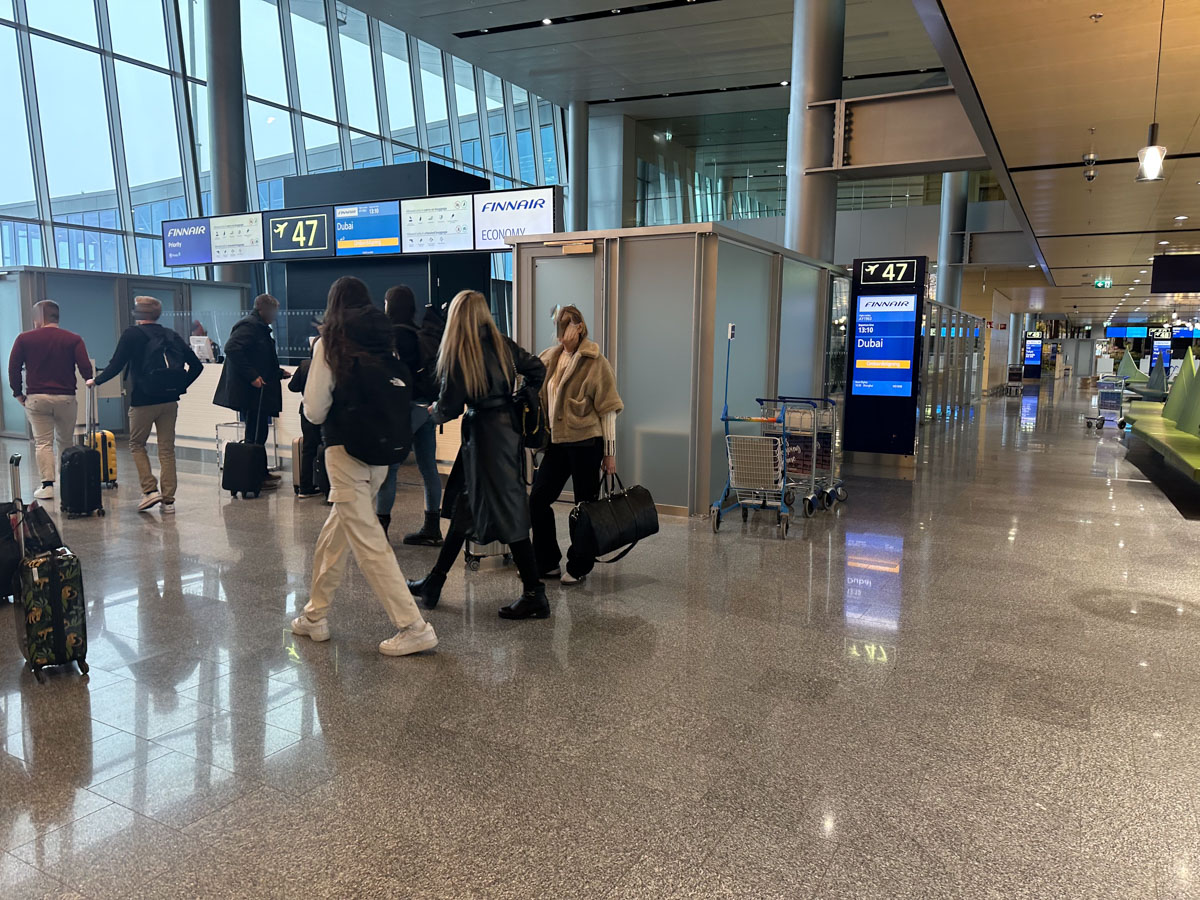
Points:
x=104 y=442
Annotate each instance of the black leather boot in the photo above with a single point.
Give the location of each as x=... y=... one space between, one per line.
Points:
x=386 y=522
x=430 y=534
x=531 y=605
x=428 y=589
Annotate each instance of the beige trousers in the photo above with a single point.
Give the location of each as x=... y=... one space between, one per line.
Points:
x=352 y=526
x=161 y=417
x=50 y=415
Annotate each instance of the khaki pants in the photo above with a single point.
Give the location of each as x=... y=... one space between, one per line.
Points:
x=161 y=417
x=50 y=415
x=353 y=527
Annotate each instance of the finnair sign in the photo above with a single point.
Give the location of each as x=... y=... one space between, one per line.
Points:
x=512 y=214
x=187 y=242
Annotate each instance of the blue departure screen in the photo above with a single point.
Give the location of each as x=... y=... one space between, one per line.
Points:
x=1139 y=331
x=1115 y=331
x=187 y=242
x=1161 y=349
x=884 y=334
x=1033 y=353
x=367 y=229
x=1181 y=332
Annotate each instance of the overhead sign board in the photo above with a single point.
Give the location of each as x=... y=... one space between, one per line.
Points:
x=437 y=224
x=1159 y=333
x=512 y=214
x=367 y=229
x=236 y=238
x=299 y=233
x=186 y=242
x=887 y=271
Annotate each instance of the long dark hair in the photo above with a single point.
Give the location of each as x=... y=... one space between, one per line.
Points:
x=345 y=294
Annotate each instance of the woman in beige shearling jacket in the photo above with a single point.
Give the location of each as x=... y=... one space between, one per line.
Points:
x=581 y=402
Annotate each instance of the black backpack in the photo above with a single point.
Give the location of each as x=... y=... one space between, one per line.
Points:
x=373 y=410
x=164 y=369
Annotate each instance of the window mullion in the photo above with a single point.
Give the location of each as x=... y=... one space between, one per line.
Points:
x=339 y=82
x=41 y=181
x=108 y=67
x=381 y=107
x=418 y=91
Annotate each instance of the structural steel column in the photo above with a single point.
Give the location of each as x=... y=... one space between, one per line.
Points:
x=818 y=33
x=577 y=165
x=951 y=233
x=226 y=119
x=1014 y=339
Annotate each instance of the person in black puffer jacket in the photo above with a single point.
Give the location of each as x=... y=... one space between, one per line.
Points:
x=353 y=332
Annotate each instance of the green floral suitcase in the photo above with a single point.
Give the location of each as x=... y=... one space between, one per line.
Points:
x=50 y=610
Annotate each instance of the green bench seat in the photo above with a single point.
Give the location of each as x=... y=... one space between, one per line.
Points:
x=1139 y=408
x=1174 y=430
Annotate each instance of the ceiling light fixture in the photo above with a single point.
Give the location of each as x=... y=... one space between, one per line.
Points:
x=783 y=83
x=1150 y=157
x=1142 y=271
x=1031 y=266
x=1137 y=281
x=1181 y=218
x=1163 y=243
x=551 y=21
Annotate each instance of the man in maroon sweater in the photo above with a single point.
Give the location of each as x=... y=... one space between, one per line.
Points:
x=49 y=356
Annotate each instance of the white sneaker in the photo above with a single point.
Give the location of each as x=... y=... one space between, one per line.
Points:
x=317 y=631
x=413 y=639
x=149 y=501
x=568 y=578
x=44 y=493
x=168 y=509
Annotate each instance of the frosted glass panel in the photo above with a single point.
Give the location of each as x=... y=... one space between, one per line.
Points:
x=10 y=327
x=562 y=281
x=654 y=365
x=798 y=338
x=87 y=309
x=743 y=297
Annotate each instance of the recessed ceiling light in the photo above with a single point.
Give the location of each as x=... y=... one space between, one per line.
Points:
x=1031 y=266
x=1181 y=218
x=1142 y=271
x=1163 y=243
x=783 y=84
x=1137 y=281
x=547 y=21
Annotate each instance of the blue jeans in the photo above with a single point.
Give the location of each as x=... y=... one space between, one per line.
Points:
x=425 y=448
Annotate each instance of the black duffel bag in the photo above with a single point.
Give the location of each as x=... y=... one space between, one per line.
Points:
x=618 y=519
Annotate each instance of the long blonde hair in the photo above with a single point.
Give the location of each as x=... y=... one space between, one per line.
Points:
x=462 y=348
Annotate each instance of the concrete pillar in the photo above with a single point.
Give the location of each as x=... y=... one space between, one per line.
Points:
x=226 y=119
x=951 y=228
x=725 y=195
x=818 y=33
x=577 y=165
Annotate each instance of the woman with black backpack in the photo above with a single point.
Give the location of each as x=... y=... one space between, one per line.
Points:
x=485 y=494
x=360 y=393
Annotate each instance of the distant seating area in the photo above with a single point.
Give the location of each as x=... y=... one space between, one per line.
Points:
x=1172 y=428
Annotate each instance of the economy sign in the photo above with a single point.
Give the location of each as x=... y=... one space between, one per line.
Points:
x=507 y=214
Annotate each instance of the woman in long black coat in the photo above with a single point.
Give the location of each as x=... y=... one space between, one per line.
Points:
x=485 y=496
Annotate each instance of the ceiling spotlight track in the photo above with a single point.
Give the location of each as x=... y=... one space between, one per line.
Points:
x=605 y=13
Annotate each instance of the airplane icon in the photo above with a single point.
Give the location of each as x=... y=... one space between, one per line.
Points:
x=870 y=268
x=280 y=228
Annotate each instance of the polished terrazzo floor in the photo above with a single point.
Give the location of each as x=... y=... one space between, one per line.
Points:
x=981 y=683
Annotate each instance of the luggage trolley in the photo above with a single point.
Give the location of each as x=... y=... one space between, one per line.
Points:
x=1110 y=401
x=811 y=434
x=757 y=476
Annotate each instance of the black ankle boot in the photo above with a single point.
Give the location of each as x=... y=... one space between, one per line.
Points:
x=531 y=605
x=430 y=534
x=428 y=589
x=386 y=522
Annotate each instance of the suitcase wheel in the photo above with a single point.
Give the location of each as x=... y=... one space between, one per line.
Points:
x=37 y=673
x=473 y=564
x=100 y=513
x=83 y=666
x=253 y=496
x=233 y=494
x=295 y=489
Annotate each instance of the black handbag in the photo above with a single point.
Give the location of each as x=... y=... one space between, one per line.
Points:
x=618 y=519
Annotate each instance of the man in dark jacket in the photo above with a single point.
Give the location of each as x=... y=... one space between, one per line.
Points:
x=251 y=380
x=161 y=367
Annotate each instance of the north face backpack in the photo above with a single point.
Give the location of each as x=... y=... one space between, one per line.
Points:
x=373 y=410
x=164 y=370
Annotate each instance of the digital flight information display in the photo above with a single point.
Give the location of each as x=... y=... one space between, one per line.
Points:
x=367 y=229
x=438 y=224
x=1033 y=353
x=883 y=346
x=299 y=233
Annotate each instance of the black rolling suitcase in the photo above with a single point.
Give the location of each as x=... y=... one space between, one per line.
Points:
x=80 y=473
x=320 y=473
x=243 y=469
x=49 y=609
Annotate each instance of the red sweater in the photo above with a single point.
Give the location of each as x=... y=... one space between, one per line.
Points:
x=49 y=357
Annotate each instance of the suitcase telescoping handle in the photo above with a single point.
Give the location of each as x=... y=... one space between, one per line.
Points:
x=93 y=413
x=14 y=472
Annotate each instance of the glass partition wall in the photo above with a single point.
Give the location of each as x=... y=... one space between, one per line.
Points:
x=952 y=361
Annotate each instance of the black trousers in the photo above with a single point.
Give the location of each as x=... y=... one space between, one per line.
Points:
x=456 y=537
x=311 y=434
x=258 y=426
x=581 y=463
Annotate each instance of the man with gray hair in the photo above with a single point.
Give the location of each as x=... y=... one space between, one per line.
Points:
x=49 y=356
x=161 y=367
